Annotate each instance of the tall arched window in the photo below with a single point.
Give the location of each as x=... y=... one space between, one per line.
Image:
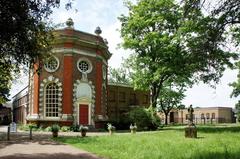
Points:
x=213 y=115
x=208 y=116
x=51 y=100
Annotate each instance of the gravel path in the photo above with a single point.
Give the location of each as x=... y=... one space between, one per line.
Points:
x=41 y=147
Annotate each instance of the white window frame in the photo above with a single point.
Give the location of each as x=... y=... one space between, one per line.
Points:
x=47 y=60
x=57 y=101
x=89 y=65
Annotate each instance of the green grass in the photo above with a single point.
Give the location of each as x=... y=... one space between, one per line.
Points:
x=220 y=142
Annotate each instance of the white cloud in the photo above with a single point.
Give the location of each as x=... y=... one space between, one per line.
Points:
x=204 y=96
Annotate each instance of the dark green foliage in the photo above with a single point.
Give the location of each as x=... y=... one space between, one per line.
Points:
x=75 y=128
x=25 y=36
x=144 y=119
x=55 y=128
x=236 y=90
x=118 y=75
x=170 y=43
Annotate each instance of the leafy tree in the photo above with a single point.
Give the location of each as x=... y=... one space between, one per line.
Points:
x=5 y=77
x=118 y=75
x=236 y=90
x=170 y=98
x=169 y=43
x=25 y=35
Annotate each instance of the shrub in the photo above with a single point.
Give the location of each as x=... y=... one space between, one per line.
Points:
x=141 y=117
x=146 y=119
x=75 y=128
x=121 y=124
x=48 y=129
x=23 y=127
x=65 y=128
x=55 y=128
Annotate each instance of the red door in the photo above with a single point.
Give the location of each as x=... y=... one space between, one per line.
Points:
x=83 y=114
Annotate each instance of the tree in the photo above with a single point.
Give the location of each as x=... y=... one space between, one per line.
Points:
x=118 y=75
x=170 y=98
x=168 y=43
x=5 y=77
x=25 y=35
x=236 y=90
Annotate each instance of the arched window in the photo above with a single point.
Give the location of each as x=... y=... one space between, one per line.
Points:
x=202 y=116
x=213 y=115
x=207 y=115
x=51 y=100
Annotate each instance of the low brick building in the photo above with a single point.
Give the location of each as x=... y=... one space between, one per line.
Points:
x=204 y=115
x=122 y=98
x=20 y=106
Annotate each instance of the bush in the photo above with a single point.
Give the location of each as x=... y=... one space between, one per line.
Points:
x=48 y=129
x=121 y=124
x=141 y=117
x=146 y=119
x=23 y=127
x=55 y=128
x=65 y=128
x=75 y=128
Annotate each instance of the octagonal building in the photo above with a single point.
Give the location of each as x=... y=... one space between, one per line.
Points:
x=71 y=85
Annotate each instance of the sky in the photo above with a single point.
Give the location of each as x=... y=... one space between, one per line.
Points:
x=87 y=15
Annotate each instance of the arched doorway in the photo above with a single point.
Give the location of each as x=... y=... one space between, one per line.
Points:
x=84 y=104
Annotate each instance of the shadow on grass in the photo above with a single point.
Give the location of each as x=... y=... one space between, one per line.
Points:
x=50 y=156
x=217 y=155
x=209 y=129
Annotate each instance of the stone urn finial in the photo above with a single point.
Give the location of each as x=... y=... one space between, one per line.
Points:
x=98 y=31
x=69 y=23
x=105 y=41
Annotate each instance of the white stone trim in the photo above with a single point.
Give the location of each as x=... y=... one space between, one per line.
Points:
x=43 y=84
x=89 y=102
x=54 y=70
x=89 y=63
x=32 y=117
x=77 y=51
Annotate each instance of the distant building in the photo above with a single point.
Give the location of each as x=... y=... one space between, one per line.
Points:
x=20 y=106
x=204 y=115
x=5 y=115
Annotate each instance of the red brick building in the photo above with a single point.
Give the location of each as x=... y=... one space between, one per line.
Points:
x=71 y=86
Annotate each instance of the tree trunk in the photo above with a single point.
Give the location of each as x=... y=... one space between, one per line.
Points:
x=166 y=118
x=155 y=93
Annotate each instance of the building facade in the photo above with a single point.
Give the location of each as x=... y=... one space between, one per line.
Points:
x=122 y=98
x=20 y=106
x=207 y=115
x=70 y=86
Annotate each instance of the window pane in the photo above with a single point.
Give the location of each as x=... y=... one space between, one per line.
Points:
x=51 y=100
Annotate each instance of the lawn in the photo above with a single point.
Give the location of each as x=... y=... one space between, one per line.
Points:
x=220 y=142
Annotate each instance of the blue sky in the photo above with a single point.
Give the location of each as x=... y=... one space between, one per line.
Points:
x=87 y=15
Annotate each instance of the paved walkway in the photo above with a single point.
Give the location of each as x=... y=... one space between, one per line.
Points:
x=41 y=147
